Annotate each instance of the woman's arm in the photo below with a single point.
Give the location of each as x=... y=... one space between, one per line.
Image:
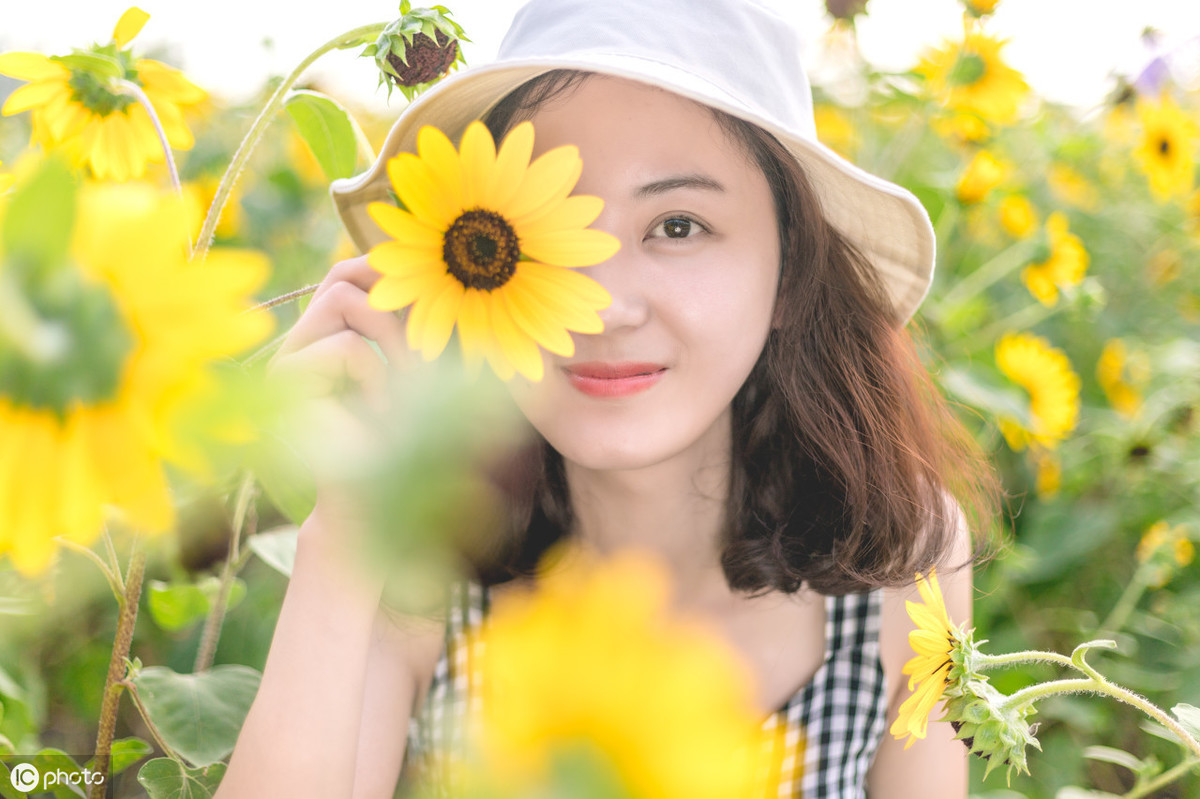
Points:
x=331 y=712
x=935 y=767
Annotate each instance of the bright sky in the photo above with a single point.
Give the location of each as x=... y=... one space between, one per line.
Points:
x=1068 y=49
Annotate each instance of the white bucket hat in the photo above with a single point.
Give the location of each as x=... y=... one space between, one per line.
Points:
x=733 y=55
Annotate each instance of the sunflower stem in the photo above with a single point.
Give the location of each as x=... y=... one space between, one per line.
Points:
x=127 y=619
x=216 y=616
x=150 y=725
x=1099 y=685
x=348 y=39
x=286 y=298
x=1163 y=780
x=1127 y=601
x=133 y=90
x=1028 y=656
x=1023 y=319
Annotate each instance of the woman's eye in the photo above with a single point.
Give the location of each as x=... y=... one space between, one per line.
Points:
x=677 y=227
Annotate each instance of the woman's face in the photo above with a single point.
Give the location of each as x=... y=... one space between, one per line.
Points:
x=693 y=284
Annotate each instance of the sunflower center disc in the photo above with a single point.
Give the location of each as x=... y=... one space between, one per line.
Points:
x=1164 y=147
x=481 y=249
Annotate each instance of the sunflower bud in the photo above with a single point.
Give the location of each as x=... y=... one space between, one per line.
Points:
x=997 y=733
x=417 y=50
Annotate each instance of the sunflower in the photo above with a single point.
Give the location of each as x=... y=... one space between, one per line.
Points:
x=971 y=76
x=486 y=244
x=984 y=172
x=592 y=661
x=1046 y=373
x=1018 y=216
x=90 y=414
x=1063 y=262
x=1121 y=377
x=1072 y=188
x=934 y=641
x=980 y=8
x=1167 y=152
x=81 y=110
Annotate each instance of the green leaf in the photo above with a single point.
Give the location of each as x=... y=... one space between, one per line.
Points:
x=1189 y=718
x=176 y=606
x=328 y=131
x=284 y=476
x=980 y=389
x=7 y=791
x=41 y=212
x=1117 y=757
x=127 y=751
x=96 y=63
x=198 y=715
x=56 y=760
x=164 y=778
x=277 y=548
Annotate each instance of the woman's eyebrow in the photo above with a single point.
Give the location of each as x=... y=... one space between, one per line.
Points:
x=692 y=181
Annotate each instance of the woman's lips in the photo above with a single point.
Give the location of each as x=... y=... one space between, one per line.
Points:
x=604 y=379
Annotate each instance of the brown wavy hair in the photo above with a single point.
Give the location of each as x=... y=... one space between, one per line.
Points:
x=849 y=471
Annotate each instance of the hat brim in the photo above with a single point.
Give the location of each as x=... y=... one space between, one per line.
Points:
x=883 y=220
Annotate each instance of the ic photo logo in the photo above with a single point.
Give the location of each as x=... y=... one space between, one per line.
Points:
x=25 y=777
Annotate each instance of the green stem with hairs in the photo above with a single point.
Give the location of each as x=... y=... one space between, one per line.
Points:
x=1163 y=780
x=133 y=90
x=1029 y=656
x=113 y=685
x=1127 y=601
x=216 y=616
x=350 y=38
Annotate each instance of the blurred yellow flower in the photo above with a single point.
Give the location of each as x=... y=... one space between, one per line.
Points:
x=1047 y=473
x=86 y=115
x=1018 y=217
x=971 y=76
x=1169 y=547
x=933 y=641
x=1045 y=373
x=1072 y=188
x=593 y=660
x=488 y=244
x=1166 y=153
x=89 y=418
x=960 y=128
x=1120 y=378
x=980 y=8
x=1064 y=263
x=983 y=173
x=835 y=130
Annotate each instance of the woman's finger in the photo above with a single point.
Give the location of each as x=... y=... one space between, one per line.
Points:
x=343 y=306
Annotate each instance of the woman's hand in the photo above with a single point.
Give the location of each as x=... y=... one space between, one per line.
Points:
x=340 y=383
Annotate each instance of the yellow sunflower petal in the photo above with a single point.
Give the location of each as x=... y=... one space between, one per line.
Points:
x=473 y=328
x=478 y=161
x=511 y=162
x=402 y=259
x=418 y=316
x=567 y=308
x=568 y=281
x=31 y=67
x=572 y=248
x=443 y=313
x=438 y=154
x=128 y=26
x=32 y=95
x=403 y=226
x=179 y=135
x=392 y=293
x=519 y=349
x=418 y=189
x=574 y=213
x=532 y=318
x=167 y=83
x=550 y=177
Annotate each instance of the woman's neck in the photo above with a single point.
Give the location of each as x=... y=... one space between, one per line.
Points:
x=675 y=509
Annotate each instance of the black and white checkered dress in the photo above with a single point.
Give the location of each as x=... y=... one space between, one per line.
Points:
x=831 y=727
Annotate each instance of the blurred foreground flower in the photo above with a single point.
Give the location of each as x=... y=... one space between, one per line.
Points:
x=984 y=172
x=1018 y=217
x=1062 y=262
x=1165 y=549
x=78 y=103
x=106 y=342
x=1167 y=151
x=486 y=243
x=1121 y=377
x=1046 y=373
x=591 y=668
x=971 y=76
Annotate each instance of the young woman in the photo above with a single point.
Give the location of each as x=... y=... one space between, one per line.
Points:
x=753 y=411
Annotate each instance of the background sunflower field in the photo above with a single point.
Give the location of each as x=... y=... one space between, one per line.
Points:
x=1064 y=322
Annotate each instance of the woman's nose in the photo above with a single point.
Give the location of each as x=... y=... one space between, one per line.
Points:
x=623 y=280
